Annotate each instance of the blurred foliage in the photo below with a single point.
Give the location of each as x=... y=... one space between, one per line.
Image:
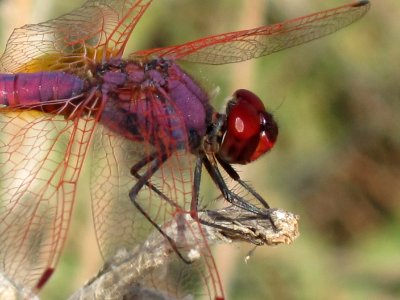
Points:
x=337 y=160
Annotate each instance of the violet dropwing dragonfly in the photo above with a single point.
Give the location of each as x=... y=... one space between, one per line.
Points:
x=65 y=86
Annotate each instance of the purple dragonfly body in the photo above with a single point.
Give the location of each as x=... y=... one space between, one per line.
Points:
x=175 y=91
x=121 y=82
x=64 y=87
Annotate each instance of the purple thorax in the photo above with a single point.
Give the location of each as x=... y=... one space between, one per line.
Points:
x=155 y=100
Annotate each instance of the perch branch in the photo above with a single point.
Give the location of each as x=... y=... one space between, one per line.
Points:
x=231 y=224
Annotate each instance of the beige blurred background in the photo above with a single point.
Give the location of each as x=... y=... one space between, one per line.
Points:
x=336 y=163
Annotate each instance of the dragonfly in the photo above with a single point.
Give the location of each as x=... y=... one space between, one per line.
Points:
x=66 y=86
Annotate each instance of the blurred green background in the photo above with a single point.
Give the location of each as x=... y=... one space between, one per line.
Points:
x=336 y=163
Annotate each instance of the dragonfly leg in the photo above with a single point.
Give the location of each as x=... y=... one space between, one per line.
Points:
x=156 y=161
x=194 y=205
x=135 y=172
x=235 y=176
x=231 y=197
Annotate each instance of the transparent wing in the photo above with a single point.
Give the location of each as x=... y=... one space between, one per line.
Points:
x=119 y=224
x=247 y=44
x=93 y=33
x=41 y=156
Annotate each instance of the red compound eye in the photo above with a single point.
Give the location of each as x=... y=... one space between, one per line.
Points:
x=250 y=130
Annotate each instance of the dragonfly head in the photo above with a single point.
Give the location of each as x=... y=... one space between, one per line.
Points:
x=248 y=130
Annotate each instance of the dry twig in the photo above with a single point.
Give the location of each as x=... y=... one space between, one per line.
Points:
x=124 y=271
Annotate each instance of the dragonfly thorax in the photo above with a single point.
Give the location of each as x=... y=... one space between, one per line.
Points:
x=159 y=90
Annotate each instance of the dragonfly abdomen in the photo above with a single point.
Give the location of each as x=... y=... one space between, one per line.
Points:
x=28 y=89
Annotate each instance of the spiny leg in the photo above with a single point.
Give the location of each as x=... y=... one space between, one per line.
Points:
x=194 y=205
x=231 y=197
x=235 y=176
x=194 y=209
x=139 y=165
x=155 y=164
x=195 y=199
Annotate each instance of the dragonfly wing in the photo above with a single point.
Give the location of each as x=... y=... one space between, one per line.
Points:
x=41 y=156
x=119 y=225
x=247 y=44
x=93 y=33
x=115 y=217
